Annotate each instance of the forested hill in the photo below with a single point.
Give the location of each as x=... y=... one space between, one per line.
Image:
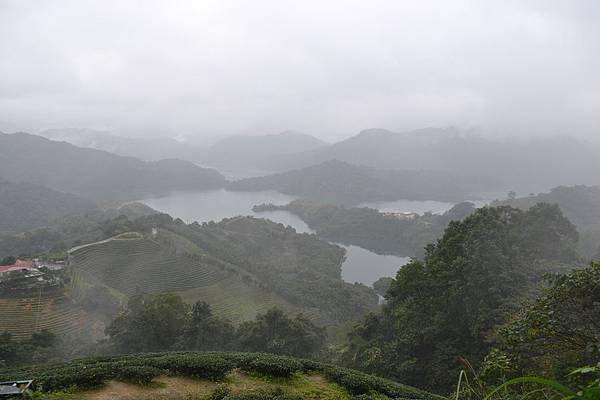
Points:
x=24 y=206
x=96 y=175
x=368 y=228
x=337 y=182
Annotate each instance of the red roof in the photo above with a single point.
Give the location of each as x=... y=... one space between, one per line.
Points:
x=20 y=264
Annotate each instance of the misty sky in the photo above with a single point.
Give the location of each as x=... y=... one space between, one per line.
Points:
x=328 y=68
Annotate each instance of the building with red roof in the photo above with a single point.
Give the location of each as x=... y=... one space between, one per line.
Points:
x=17 y=266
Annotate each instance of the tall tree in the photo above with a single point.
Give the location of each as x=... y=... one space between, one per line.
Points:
x=557 y=331
x=275 y=332
x=149 y=323
x=204 y=331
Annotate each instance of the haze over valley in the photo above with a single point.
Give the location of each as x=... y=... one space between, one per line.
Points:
x=275 y=200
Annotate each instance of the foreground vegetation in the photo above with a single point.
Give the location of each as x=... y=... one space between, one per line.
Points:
x=453 y=302
x=143 y=368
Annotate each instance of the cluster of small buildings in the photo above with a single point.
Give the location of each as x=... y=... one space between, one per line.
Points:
x=26 y=275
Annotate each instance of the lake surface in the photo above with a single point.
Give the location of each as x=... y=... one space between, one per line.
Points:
x=361 y=265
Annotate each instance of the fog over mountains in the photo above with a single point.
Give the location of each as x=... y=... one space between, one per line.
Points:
x=522 y=164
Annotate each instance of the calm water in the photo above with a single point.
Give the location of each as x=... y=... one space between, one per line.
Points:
x=361 y=265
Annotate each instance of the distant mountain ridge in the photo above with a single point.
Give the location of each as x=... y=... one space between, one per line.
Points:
x=526 y=164
x=338 y=182
x=97 y=175
x=147 y=149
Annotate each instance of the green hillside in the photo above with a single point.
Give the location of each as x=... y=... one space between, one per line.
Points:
x=191 y=375
x=238 y=266
x=154 y=266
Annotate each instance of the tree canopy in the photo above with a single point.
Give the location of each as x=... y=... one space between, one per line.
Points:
x=559 y=330
x=450 y=304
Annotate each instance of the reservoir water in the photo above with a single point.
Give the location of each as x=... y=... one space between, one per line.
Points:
x=361 y=265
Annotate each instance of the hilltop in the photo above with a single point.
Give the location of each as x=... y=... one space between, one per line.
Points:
x=338 y=182
x=97 y=175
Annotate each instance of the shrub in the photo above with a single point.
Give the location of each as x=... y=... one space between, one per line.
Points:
x=266 y=364
x=141 y=375
x=210 y=366
x=142 y=368
x=220 y=392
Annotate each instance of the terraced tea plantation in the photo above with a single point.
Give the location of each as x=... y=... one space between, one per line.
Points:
x=157 y=266
x=51 y=310
x=189 y=375
x=127 y=264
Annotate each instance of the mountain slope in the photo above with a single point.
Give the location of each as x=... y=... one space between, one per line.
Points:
x=24 y=206
x=527 y=164
x=94 y=174
x=338 y=182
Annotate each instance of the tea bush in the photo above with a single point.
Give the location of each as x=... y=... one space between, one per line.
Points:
x=142 y=368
